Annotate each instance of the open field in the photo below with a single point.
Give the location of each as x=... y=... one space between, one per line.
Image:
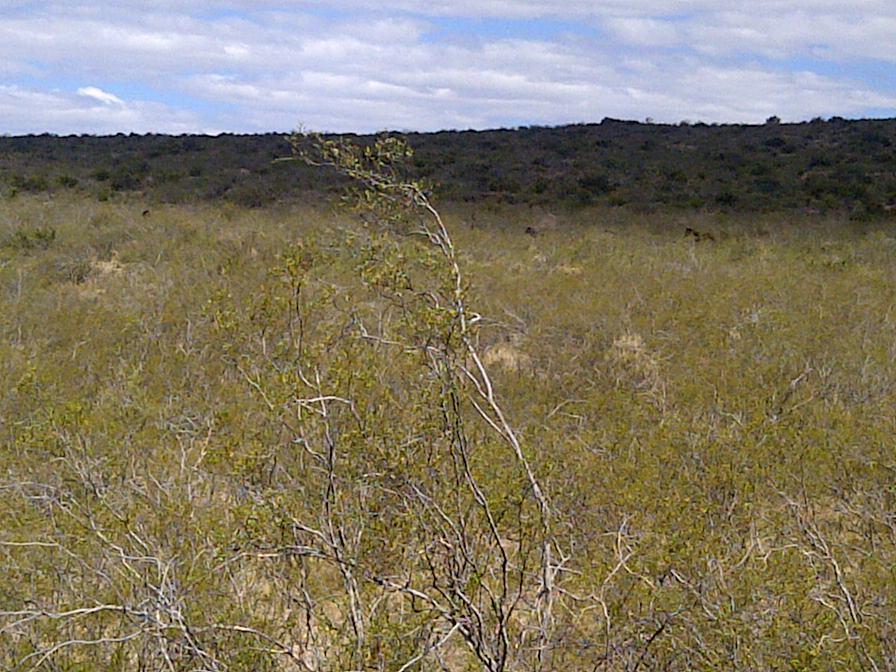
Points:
x=713 y=421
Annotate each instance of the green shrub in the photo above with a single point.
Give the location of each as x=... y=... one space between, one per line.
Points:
x=31 y=238
x=30 y=183
x=67 y=181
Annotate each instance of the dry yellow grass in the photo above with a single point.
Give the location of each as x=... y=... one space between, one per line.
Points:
x=714 y=421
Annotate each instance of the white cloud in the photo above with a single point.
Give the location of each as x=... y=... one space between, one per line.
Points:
x=391 y=63
x=461 y=88
x=781 y=34
x=100 y=95
x=24 y=110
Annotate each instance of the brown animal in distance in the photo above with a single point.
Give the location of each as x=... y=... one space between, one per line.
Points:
x=699 y=235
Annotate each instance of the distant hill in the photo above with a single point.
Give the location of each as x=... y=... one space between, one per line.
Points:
x=831 y=164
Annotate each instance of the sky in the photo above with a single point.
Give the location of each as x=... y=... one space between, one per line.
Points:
x=365 y=65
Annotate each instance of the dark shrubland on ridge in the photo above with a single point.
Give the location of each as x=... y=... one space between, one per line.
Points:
x=829 y=165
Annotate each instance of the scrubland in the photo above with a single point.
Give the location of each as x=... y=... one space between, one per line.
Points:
x=208 y=437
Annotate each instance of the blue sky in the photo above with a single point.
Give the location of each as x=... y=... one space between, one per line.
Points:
x=361 y=65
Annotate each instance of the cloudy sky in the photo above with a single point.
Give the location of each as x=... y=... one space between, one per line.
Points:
x=366 y=65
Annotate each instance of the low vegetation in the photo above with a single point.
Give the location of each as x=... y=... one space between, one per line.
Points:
x=300 y=438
